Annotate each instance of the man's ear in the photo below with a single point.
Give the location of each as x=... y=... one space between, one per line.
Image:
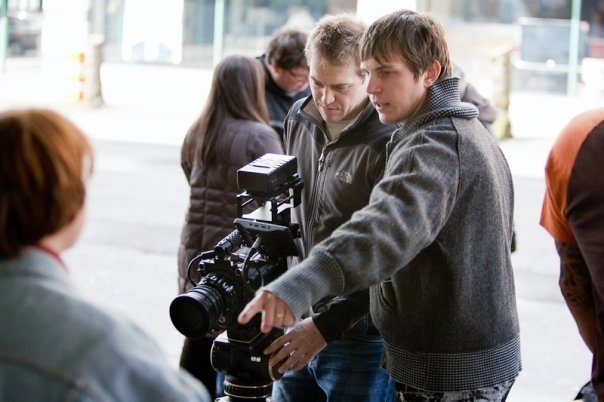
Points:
x=432 y=73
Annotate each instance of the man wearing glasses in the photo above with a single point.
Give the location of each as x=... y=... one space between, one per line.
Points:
x=286 y=73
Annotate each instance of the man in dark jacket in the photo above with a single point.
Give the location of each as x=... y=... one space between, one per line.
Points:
x=437 y=260
x=286 y=74
x=341 y=148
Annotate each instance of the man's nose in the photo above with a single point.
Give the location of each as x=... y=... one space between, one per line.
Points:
x=327 y=97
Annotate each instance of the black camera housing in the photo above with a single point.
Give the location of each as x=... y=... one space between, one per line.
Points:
x=254 y=254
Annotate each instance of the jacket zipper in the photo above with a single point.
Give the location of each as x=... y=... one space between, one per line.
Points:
x=314 y=202
x=321 y=160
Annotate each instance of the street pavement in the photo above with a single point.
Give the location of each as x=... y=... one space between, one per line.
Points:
x=126 y=258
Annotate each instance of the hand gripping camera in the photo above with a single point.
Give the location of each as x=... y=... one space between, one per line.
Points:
x=254 y=254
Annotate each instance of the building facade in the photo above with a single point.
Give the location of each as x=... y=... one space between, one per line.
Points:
x=549 y=44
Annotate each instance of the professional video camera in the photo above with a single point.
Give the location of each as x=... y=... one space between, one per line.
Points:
x=254 y=254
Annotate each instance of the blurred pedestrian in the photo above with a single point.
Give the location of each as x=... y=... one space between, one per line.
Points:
x=487 y=113
x=334 y=354
x=54 y=344
x=231 y=131
x=573 y=213
x=286 y=73
x=438 y=262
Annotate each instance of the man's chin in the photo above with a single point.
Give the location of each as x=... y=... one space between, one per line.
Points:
x=386 y=119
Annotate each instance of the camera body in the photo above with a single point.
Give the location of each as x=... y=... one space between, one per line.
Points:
x=254 y=254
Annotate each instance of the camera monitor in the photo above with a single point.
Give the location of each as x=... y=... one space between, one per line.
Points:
x=275 y=240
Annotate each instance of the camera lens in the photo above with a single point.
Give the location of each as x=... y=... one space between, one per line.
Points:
x=196 y=312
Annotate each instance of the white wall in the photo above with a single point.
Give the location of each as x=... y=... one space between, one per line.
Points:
x=64 y=36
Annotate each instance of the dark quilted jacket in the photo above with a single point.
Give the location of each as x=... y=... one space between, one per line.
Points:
x=212 y=200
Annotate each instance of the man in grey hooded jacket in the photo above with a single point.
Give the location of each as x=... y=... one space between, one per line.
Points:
x=436 y=233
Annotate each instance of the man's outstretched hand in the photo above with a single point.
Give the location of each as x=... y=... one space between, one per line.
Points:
x=275 y=312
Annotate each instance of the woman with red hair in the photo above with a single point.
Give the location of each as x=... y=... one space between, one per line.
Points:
x=54 y=345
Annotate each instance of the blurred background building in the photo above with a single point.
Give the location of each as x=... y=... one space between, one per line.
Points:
x=537 y=46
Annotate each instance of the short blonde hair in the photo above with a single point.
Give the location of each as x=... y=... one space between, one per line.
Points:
x=335 y=40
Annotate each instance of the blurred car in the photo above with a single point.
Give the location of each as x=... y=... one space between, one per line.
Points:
x=23 y=34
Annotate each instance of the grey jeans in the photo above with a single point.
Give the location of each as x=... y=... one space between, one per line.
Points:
x=496 y=393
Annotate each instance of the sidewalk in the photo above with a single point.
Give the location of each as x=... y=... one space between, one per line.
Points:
x=143 y=103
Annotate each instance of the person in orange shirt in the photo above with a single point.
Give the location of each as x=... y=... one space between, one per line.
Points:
x=573 y=213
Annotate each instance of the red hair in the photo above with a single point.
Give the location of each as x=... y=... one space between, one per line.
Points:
x=44 y=160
